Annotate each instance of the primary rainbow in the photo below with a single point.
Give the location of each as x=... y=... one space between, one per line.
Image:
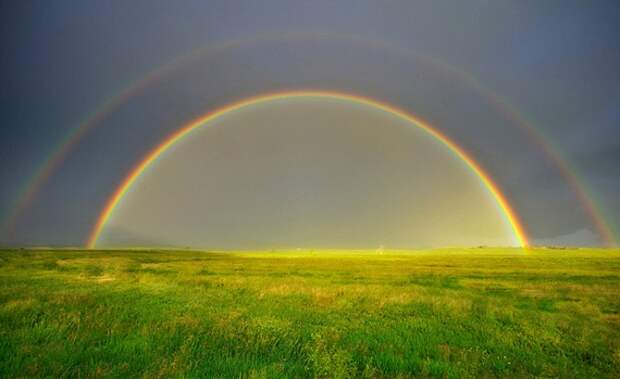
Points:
x=113 y=201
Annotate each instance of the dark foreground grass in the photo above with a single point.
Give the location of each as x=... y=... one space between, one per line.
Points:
x=449 y=313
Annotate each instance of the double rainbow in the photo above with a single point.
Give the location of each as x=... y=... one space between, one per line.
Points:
x=26 y=196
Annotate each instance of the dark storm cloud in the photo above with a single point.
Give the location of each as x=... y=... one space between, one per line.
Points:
x=556 y=61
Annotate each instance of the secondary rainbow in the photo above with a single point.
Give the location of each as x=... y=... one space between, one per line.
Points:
x=494 y=190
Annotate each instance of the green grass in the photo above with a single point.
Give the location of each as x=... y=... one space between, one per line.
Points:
x=440 y=313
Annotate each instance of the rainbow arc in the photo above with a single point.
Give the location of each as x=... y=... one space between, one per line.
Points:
x=503 y=204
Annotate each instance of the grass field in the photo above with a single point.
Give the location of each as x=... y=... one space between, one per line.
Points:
x=440 y=313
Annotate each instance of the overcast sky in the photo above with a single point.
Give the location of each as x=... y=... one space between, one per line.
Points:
x=476 y=70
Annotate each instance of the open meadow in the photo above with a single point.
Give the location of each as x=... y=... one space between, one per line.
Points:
x=437 y=313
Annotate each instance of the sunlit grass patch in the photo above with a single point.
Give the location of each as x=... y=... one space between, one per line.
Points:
x=447 y=313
